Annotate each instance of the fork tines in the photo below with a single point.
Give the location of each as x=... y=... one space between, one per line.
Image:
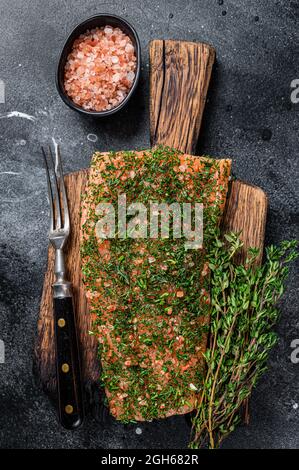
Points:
x=59 y=211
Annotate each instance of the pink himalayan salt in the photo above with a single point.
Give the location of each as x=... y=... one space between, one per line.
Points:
x=100 y=70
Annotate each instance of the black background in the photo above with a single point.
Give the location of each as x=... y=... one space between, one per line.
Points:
x=249 y=117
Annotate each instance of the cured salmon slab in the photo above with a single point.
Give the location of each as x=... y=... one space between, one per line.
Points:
x=148 y=282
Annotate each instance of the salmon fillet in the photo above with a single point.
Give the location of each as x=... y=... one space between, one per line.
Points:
x=149 y=298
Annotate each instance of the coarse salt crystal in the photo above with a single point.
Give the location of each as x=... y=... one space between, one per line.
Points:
x=108 y=30
x=192 y=387
x=116 y=77
x=129 y=48
x=131 y=76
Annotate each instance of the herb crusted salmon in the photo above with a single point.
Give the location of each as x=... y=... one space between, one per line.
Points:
x=149 y=297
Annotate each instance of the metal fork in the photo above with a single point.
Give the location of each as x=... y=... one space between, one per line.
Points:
x=70 y=401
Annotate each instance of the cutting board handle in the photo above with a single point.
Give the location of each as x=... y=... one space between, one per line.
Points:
x=180 y=74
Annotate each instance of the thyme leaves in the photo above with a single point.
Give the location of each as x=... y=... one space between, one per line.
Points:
x=243 y=315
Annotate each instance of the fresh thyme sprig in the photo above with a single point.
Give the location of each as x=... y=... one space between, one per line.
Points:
x=243 y=315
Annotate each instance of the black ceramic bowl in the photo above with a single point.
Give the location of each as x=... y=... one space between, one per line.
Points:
x=93 y=22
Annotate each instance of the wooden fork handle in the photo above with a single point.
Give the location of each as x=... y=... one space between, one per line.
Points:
x=70 y=400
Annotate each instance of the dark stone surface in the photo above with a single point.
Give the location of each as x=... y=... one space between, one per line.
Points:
x=249 y=117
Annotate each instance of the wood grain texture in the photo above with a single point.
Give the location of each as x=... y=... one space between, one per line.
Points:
x=173 y=125
x=246 y=212
x=179 y=79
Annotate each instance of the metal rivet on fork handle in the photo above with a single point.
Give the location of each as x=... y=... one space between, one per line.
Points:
x=69 y=409
x=65 y=368
x=61 y=322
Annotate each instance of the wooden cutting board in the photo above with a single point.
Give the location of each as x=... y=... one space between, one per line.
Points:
x=179 y=79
